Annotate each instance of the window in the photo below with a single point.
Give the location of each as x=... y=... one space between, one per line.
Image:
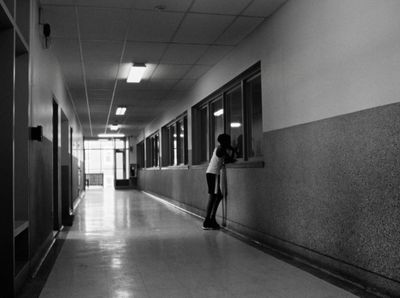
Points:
x=234 y=119
x=252 y=89
x=217 y=121
x=174 y=142
x=235 y=109
x=152 y=150
x=140 y=154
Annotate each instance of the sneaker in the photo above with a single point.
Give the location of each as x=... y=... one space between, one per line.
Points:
x=215 y=225
x=207 y=225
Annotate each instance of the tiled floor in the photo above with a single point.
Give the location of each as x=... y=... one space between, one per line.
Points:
x=126 y=244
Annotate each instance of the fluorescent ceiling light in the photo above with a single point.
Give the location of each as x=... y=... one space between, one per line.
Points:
x=120 y=111
x=218 y=113
x=236 y=124
x=136 y=73
x=114 y=127
x=111 y=135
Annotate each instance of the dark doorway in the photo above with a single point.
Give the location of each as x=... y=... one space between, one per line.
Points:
x=66 y=171
x=56 y=169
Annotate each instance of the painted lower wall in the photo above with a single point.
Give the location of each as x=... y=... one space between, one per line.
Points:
x=329 y=192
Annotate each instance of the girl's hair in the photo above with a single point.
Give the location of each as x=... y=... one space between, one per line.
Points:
x=224 y=139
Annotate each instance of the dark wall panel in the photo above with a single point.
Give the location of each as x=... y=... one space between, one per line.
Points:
x=41 y=198
x=329 y=191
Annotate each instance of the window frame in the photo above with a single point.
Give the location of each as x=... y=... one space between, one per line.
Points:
x=239 y=82
x=140 y=155
x=152 y=150
x=167 y=143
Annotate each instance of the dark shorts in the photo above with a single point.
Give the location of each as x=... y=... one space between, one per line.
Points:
x=213 y=184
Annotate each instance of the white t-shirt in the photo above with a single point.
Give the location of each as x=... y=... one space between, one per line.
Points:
x=215 y=164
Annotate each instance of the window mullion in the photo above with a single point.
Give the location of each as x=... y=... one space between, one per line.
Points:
x=245 y=121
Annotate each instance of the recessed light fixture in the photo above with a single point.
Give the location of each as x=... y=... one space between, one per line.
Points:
x=114 y=127
x=136 y=73
x=120 y=111
x=111 y=135
x=236 y=124
x=218 y=113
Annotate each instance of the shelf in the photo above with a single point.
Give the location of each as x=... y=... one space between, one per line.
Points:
x=20 y=226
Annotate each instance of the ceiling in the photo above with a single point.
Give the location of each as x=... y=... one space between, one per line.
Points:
x=95 y=42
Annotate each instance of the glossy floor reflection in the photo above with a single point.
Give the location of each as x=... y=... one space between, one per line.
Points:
x=126 y=244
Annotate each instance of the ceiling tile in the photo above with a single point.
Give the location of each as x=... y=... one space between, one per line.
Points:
x=184 y=85
x=153 y=25
x=183 y=54
x=62 y=21
x=144 y=52
x=156 y=84
x=100 y=94
x=196 y=72
x=103 y=23
x=139 y=97
x=105 y=51
x=202 y=28
x=232 y=7
x=263 y=8
x=101 y=70
x=170 y=5
x=214 y=54
x=98 y=111
x=97 y=3
x=170 y=71
x=242 y=27
x=100 y=83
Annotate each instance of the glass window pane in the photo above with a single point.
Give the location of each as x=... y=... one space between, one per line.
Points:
x=203 y=134
x=181 y=142
x=217 y=122
x=235 y=120
x=253 y=98
x=106 y=144
x=174 y=145
x=119 y=144
x=119 y=167
x=156 y=149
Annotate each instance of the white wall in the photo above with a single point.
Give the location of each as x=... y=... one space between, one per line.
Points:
x=47 y=82
x=319 y=59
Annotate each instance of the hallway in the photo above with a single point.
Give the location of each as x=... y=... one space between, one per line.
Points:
x=126 y=244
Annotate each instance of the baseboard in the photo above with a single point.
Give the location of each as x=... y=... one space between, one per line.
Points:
x=38 y=259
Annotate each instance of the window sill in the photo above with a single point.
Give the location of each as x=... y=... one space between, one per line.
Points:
x=152 y=168
x=180 y=167
x=199 y=167
x=246 y=164
x=235 y=165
